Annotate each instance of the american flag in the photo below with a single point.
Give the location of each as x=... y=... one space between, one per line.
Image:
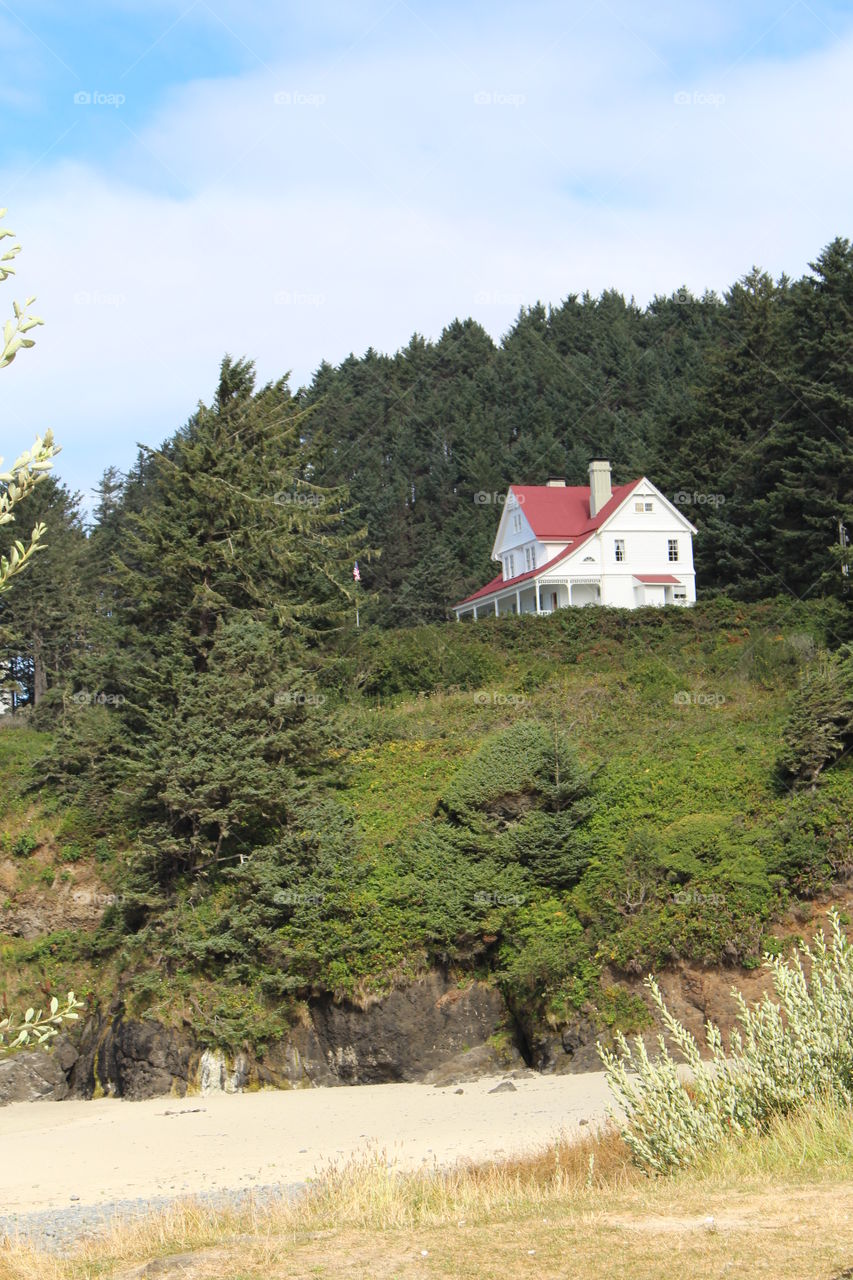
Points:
x=356 y=572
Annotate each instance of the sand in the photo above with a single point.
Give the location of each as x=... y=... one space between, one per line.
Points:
x=59 y=1153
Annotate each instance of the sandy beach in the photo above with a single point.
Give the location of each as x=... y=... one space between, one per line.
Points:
x=93 y=1152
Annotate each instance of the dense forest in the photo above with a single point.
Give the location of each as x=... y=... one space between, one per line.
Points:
x=740 y=408
x=207 y=731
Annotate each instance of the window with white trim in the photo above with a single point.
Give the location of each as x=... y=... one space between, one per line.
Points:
x=619 y=549
x=510 y=566
x=672 y=549
x=530 y=557
x=644 y=506
x=516 y=522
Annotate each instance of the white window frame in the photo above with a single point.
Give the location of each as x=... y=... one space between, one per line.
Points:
x=619 y=550
x=672 y=545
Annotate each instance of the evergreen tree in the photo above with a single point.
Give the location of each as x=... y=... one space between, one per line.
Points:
x=230 y=566
x=807 y=455
x=43 y=627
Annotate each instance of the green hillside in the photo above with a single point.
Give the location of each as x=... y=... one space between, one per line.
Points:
x=551 y=802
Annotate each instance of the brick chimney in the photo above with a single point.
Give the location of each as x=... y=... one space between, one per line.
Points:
x=600 y=491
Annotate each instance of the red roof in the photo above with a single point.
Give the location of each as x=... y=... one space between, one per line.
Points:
x=657 y=577
x=521 y=577
x=555 y=514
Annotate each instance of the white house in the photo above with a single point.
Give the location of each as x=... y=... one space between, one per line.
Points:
x=560 y=545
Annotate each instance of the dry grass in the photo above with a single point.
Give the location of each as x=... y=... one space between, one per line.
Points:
x=775 y=1207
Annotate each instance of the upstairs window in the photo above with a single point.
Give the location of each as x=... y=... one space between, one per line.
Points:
x=644 y=506
x=516 y=522
x=619 y=549
x=510 y=566
x=672 y=548
x=530 y=557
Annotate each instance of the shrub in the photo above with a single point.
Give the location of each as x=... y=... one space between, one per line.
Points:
x=787 y=1052
x=423 y=659
x=25 y=844
x=820 y=726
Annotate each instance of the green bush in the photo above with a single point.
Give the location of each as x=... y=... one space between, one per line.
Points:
x=25 y=844
x=820 y=726
x=423 y=659
x=70 y=853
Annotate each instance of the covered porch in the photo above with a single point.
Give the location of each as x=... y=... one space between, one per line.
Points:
x=542 y=596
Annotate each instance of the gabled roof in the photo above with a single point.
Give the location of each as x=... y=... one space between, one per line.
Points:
x=561 y=514
x=557 y=513
x=499 y=582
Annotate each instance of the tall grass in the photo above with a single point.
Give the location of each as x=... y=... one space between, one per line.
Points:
x=787 y=1051
x=577 y=1186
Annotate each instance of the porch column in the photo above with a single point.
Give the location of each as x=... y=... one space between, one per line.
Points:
x=475 y=613
x=496 y=606
x=518 y=601
x=536 y=584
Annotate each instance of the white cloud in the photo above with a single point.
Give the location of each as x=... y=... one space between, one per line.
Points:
x=394 y=201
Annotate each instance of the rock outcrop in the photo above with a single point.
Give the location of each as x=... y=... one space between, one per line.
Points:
x=436 y=1030
x=433 y=1030
x=37 y=1075
x=408 y=1033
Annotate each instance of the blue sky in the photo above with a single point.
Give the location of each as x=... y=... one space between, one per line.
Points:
x=294 y=182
